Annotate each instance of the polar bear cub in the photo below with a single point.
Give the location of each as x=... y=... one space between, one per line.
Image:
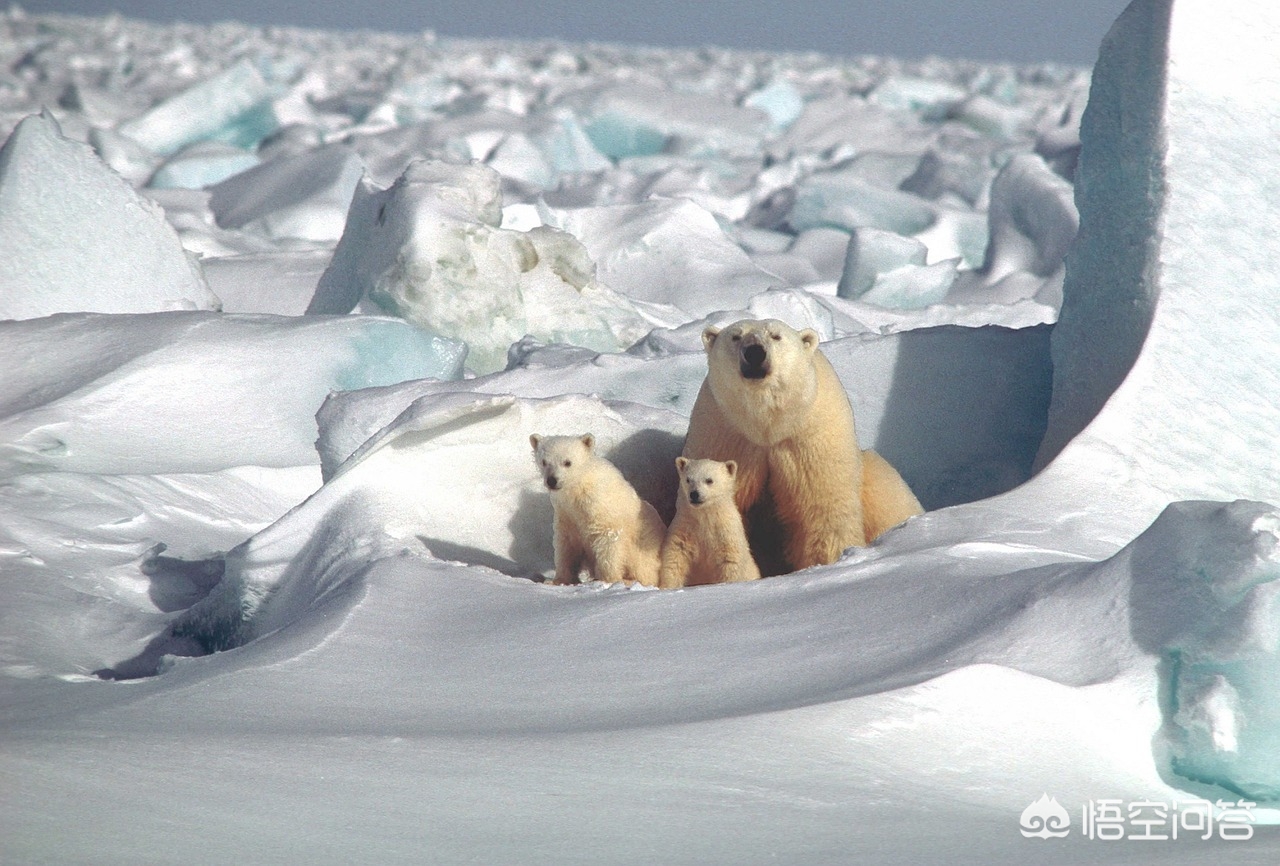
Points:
x=600 y=521
x=707 y=542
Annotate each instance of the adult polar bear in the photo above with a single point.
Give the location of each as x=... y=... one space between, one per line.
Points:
x=773 y=403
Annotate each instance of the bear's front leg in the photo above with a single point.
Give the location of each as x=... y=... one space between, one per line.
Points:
x=819 y=503
x=738 y=571
x=609 y=556
x=569 y=553
x=677 y=561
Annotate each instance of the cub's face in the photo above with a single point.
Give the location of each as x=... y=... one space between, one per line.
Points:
x=561 y=459
x=703 y=481
x=757 y=349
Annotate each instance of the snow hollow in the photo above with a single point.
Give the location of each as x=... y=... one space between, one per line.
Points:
x=280 y=308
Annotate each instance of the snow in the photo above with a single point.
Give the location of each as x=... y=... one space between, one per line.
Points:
x=271 y=576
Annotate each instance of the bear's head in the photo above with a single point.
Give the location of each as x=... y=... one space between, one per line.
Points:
x=762 y=374
x=703 y=481
x=561 y=459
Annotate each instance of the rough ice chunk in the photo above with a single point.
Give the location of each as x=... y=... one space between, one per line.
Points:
x=942 y=172
x=929 y=98
x=851 y=122
x=845 y=201
x=202 y=164
x=568 y=147
x=824 y=248
x=96 y=403
x=780 y=100
x=430 y=249
x=518 y=158
x=1209 y=601
x=889 y=270
x=305 y=196
x=665 y=251
x=1033 y=219
x=233 y=106
x=871 y=252
x=130 y=160
x=1165 y=363
x=75 y=237
x=638 y=120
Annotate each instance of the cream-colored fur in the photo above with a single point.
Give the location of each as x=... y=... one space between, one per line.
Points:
x=773 y=403
x=707 y=542
x=600 y=522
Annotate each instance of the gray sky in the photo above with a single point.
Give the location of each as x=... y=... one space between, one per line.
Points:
x=1024 y=31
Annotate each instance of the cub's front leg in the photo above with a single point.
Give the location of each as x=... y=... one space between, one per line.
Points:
x=569 y=550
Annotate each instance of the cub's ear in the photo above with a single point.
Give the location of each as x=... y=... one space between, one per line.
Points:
x=709 y=335
x=731 y=466
x=809 y=339
x=681 y=463
x=588 y=440
x=534 y=439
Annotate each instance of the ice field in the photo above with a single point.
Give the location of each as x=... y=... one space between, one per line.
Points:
x=279 y=310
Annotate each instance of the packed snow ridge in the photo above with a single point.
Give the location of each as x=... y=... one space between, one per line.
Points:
x=280 y=309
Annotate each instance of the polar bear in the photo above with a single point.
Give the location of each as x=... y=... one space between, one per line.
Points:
x=772 y=403
x=600 y=521
x=707 y=542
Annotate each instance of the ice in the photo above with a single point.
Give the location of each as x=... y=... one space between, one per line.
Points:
x=233 y=106
x=74 y=236
x=302 y=196
x=1222 y=647
x=430 y=249
x=202 y=164
x=95 y=407
x=278 y=283
x=402 y=682
x=841 y=199
x=640 y=120
x=1033 y=220
x=568 y=147
x=1169 y=268
x=401 y=487
x=778 y=99
x=659 y=250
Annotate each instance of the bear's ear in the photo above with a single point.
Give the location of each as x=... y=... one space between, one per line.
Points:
x=681 y=463
x=709 y=335
x=534 y=439
x=809 y=339
x=731 y=467
x=588 y=440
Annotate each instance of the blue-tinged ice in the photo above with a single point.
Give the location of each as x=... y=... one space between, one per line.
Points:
x=233 y=106
x=780 y=100
x=1219 y=600
x=840 y=199
x=431 y=250
x=202 y=164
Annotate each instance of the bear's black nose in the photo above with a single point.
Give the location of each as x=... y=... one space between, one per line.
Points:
x=553 y=483
x=753 y=361
x=695 y=497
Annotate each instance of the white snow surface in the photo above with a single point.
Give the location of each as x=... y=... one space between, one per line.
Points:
x=271 y=576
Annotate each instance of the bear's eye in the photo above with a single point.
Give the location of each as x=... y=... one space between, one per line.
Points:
x=737 y=337
x=776 y=336
x=710 y=481
x=568 y=463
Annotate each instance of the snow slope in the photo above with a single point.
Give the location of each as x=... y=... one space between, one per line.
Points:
x=220 y=641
